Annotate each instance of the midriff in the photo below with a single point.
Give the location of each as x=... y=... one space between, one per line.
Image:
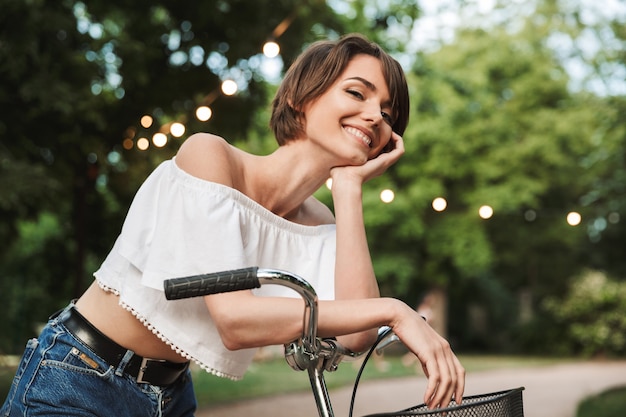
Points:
x=102 y=309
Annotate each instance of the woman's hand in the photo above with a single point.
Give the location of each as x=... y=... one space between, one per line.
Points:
x=373 y=167
x=446 y=375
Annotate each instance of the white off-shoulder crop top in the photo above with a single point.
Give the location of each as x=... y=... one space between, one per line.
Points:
x=180 y=225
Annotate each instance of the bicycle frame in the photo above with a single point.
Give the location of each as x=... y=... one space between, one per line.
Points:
x=308 y=353
x=316 y=355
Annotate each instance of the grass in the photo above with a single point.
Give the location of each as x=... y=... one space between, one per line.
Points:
x=611 y=403
x=276 y=377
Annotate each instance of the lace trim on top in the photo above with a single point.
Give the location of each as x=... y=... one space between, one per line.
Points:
x=164 y=339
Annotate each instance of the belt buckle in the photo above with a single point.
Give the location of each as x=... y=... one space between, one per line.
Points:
x=144 y=367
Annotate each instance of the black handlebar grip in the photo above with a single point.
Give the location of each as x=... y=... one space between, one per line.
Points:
x=214 y=283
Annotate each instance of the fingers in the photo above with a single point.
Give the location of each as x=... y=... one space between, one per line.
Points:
x=460 y=386
x=397 y=149
x=398 y=142
x=446 y=378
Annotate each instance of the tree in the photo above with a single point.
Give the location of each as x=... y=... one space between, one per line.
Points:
x=76 y=79
x=495 y=123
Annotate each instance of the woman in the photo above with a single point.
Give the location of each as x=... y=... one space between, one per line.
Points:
x=122 y=349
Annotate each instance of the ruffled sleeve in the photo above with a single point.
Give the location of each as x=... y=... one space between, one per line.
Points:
x=180 y=225
x=177 y=228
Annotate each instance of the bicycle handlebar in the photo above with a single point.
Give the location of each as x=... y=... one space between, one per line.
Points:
x=214 y=283
x=309 y=353
x=254 y=277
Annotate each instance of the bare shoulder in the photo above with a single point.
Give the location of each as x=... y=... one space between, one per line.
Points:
x=315 y=213
x=208 y=157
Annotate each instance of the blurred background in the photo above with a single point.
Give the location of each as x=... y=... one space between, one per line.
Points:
x=505 y=221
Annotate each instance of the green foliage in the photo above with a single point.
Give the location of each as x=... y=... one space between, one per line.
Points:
x=75 y=79
x=594 y=314
x=494 y=120
x=610 y=403
x=27 y=299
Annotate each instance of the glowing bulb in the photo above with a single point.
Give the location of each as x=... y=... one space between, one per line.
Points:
x=271 y=49
x=159 y=140
x=146 y=121
x=143 y=144
x=573 y=218
x=387 y=196
x=204 y=113
x=439 y=204
x=128 y=144
x=229 y=87
x=177 y=129
x=485 y=212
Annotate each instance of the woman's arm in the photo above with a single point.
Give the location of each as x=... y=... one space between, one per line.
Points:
x=260 y=321
x=354 y=273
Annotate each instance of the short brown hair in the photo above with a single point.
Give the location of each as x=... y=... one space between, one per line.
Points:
x=317 y=68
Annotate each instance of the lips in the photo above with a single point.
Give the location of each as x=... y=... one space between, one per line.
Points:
x=359 y=134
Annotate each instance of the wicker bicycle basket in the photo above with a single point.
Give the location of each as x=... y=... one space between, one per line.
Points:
x=496 y=404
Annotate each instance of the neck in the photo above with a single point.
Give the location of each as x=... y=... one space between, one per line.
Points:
x=283 y=180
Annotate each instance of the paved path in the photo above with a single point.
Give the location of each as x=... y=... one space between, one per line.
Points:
x=551 y=391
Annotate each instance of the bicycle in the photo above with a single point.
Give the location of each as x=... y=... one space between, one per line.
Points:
x=318 y=355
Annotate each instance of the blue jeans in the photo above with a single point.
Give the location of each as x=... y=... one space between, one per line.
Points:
x=59 y=376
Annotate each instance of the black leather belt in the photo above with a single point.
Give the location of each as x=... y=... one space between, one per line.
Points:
x=143 y=370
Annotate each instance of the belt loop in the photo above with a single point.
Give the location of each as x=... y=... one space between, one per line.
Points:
x=61 y=314
x=122 y=365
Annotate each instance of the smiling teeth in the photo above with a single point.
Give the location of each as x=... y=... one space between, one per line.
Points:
x=359 y=134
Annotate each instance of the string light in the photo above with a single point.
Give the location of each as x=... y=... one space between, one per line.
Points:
x=159 y=140
x=485 y=212
x=177 y=129
x=387 y=196
x=127 y=144
x=439 y=204
x=271 y=49
x=146 y=121
x=143 y=144
x=229 y=87
x=573 y=218
x=203 y=113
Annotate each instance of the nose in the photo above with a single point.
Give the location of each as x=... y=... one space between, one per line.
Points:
x=373 y=114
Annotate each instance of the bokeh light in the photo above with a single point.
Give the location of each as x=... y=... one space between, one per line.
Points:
x=485 y=212
x=387 y=196
x=177 y=129
x=159 y=140
x=229 y=87
x=574 y=218
x=204 y=113
x=271 y=49
x=439 y=204
x=143 y=144
x=146 y=121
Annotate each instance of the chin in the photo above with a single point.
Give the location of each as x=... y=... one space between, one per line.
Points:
x=360 y=159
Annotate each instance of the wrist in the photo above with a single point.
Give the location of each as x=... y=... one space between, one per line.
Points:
x=343 y=187
x=396 y=310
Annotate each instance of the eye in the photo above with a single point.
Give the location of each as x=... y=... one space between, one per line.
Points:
x=355 y=93
x=387 y=118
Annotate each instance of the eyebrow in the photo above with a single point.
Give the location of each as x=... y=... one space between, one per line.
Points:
x=370 y=86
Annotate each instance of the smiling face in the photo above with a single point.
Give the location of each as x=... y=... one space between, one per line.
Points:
x=319 y=68
x=353 y=118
